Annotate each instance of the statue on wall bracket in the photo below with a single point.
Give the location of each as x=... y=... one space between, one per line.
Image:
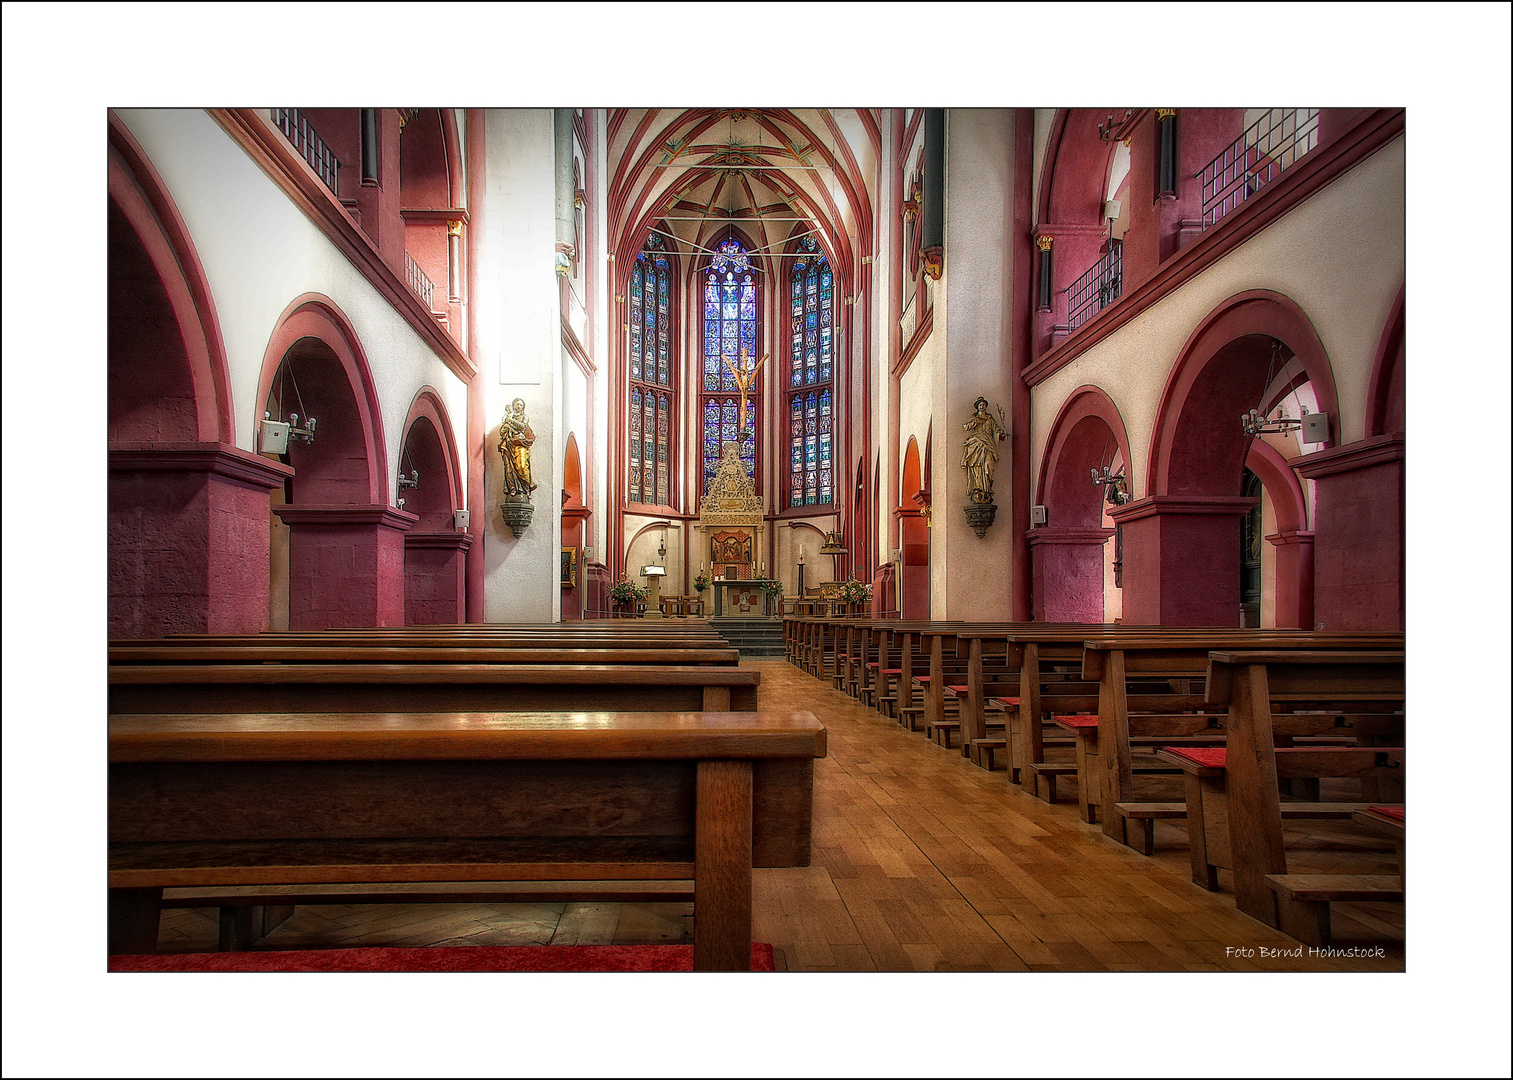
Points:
x=979 y=456
x=515 y=440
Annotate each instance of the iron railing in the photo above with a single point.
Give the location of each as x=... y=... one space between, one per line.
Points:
x=418 y=281
x=1269 y=146
x=1098 y=288
x=311 y=146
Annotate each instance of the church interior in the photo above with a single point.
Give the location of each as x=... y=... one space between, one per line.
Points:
x=623 y=369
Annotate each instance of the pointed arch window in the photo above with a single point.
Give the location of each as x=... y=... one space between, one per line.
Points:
x=811 y=378
x=730 y=330
x=649 y=472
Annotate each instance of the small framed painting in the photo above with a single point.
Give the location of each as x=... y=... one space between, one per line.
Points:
x=569 y=567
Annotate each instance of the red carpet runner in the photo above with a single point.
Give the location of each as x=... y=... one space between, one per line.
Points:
x=461 y=958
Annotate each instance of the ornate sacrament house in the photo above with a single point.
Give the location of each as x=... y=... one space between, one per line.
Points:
x=731 y=524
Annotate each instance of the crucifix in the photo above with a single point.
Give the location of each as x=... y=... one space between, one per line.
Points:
x=745 y=375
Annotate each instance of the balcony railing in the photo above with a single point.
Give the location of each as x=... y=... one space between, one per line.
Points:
x=419 y=282
x=311 y=146
x=1269 y=146
x=1098 y=288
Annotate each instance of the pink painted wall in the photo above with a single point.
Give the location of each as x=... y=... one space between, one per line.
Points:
x=344 y=571
x=1068 y=573
x=434 y=579
x=1182 y=560
x=1359 y=538
x=188 y=553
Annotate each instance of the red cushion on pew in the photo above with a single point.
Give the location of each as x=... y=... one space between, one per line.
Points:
x=1209 y=757
x=921 y=678
x=1389 y=811
x=1012 y=702
x=893 y=671
x=1076 y=721
x=956 y=689
x=872 y=663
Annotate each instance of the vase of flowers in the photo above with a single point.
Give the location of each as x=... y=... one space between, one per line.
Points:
x=774 y=591
x=856 y=594
x=629 y=598
x=700 y=583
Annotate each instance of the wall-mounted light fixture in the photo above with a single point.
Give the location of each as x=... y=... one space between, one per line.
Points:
x=1112 y=483
x=1314 y=426
x=410 y=481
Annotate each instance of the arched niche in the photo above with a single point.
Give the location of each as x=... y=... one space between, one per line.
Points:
x=574 y=519
x=1180 y=542
x=344 y=549
x=167 y=379
x=1070 y=556
x=1222 y=372
x=187 y=511
x=913 y=537
x=435 y=549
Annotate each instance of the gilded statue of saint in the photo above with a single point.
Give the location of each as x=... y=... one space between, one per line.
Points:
x=515 y=439
x=981 y=451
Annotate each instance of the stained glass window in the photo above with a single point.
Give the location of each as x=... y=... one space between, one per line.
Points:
x=811 y=367
x=651 y=398
x=730 y=343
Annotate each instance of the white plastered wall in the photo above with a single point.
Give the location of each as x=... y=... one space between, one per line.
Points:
x=260 y=252
x=1339 y=256
x=970 y=577
x=520 y=353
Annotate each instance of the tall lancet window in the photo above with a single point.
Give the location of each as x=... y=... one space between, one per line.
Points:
x=730 y=358
x=811 y=378
x=649 y=476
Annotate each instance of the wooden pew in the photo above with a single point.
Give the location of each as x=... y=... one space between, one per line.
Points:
x=1115 y=659
x=256 y=652
x=300 y=801
x=372 y=688
x=1250 y=683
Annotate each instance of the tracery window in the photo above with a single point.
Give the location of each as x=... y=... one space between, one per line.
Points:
x=730 y=343
x=811 y=407
x=649 y=476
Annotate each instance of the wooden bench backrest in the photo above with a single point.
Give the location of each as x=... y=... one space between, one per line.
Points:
x=374 y=688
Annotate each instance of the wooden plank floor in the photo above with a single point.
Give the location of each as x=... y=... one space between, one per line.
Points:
x=922 y=862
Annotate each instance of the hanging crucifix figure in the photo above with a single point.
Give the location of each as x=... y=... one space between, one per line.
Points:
x=745 y=375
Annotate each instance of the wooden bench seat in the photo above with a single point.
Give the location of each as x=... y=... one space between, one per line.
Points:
x=1148 y=813
x=299 y=802
x=1303 y=899
x=1214 y=838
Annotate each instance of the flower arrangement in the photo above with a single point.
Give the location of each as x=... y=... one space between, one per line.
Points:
x=855 y=592
x=772 y=588
x=700 y=583
x=626 y=591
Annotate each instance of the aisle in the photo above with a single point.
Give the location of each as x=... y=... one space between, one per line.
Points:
x=923 y=861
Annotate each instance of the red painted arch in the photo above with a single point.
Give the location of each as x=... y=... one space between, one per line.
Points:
x=1075 y=434
x=428 y=404
x=1254 y=313
x=135 y=187
x=1386 y=392
x=1281 y=483
x=1074 y=176
x=315 y=316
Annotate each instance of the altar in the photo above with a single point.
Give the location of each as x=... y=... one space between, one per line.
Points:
x=742 y=596
x=730 y=525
